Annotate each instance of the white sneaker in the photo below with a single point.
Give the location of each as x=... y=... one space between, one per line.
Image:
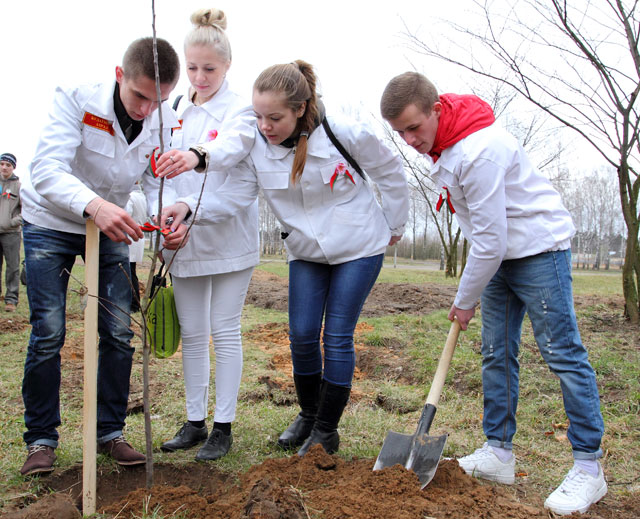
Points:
x=483 y=463
x=577 y=492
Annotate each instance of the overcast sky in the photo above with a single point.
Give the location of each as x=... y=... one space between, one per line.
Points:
x=355 y=45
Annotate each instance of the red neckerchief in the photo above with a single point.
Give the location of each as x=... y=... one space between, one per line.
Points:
x=461 y=116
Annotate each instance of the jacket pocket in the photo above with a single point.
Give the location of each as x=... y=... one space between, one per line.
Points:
x=351 y=218
x=99 y=142
x=273 y=179
x=341 y=181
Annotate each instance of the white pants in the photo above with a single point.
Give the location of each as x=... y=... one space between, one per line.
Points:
x=211 y=306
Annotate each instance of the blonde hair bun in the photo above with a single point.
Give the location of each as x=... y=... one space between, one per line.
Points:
x=206 y=17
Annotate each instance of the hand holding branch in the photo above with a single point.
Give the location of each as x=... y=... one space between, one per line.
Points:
x=176 y=212
x=174 y=240
x=174 y=162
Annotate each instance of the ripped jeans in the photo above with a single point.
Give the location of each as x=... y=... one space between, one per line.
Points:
x=541 y=286
x=49 y=256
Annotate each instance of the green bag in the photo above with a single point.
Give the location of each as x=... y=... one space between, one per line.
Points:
x=162 y=319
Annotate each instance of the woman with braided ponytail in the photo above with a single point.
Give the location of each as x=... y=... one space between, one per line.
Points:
x=335 y=232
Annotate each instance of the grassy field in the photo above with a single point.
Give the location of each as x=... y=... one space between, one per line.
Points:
x=541 y=446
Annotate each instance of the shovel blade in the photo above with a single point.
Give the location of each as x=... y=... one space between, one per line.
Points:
x=425 y=456
x=418 y=453
x=395 y=450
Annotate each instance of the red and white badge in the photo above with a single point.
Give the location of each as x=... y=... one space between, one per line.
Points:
x=341 y=170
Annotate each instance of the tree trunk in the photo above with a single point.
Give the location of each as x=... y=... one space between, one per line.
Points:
x=630 y=273
x=463 y=259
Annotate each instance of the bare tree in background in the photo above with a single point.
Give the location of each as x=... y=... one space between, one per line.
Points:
x=580 y=65
x=595 y=208
x=423 y=187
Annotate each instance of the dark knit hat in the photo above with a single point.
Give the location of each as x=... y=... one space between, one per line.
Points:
x=8 y=157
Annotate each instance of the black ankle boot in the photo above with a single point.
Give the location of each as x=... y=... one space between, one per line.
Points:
x=333 y=400
x=308 y=391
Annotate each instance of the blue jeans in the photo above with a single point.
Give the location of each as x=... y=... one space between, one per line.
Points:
x=47 y=254
x=541 y=286
x=337 y=293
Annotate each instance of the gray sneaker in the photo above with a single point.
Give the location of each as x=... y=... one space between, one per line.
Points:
x=188 y=436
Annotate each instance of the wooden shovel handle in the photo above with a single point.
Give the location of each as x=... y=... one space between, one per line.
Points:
x=443 y=365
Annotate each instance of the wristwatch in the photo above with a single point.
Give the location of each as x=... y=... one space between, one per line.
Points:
x=203 y=158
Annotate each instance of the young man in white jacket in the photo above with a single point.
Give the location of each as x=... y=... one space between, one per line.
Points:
x=519 y=261
x=94 y=148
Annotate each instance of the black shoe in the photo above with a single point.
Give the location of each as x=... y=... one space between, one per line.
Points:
x=218 y=444
x=188 y=436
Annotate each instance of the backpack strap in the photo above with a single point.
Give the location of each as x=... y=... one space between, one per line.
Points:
x=177 y=102
x=341 y=149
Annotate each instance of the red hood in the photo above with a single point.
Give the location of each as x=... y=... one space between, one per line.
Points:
x=461 y=116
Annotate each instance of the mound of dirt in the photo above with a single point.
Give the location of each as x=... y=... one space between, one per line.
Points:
x=317 y=485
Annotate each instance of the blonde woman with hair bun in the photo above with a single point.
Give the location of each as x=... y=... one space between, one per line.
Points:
x=211 y=273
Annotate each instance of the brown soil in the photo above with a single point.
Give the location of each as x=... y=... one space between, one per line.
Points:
x=270 y=291
x=13 y=324
x=317 y=485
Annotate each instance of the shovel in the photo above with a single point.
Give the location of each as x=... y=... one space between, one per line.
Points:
x=420 y=452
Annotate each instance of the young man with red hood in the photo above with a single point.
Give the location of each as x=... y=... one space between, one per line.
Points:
x=519 y=261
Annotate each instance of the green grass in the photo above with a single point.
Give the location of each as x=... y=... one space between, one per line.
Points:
x=585 y=282
x=543 y=453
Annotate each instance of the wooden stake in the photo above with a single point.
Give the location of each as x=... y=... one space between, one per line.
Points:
x=89 y=430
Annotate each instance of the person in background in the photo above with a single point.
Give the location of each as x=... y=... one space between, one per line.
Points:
x=10 y=227
x=336 y=232
x=96 y=145
x=519 y=262
x=211 y=274
x=137 y=208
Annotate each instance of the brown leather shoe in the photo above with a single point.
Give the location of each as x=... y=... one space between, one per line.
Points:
x=39 y=460
x=121 y=451
x=9 y=307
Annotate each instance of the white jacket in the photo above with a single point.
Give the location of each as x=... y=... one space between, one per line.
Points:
x=225 y=124
x=325 y=224
x=505 y=207
x=82 y=154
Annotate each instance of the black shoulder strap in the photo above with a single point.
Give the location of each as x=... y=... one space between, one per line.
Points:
x=340 y=148
x=175 y=107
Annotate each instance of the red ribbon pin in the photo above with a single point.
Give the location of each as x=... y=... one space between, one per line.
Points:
x=152 y=162
x=341 y=169
x=445 y=194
